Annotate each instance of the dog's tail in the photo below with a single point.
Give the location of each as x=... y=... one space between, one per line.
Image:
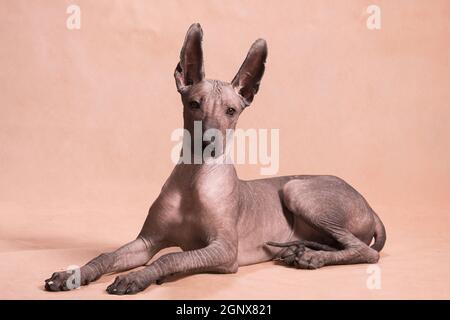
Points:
x=379 y=235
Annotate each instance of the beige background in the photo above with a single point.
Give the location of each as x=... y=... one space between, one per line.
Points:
x=86 y=118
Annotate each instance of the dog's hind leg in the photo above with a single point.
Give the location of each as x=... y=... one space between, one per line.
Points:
x=301 y=254
x=294 y=249
x=129 y=256
x=331 y=207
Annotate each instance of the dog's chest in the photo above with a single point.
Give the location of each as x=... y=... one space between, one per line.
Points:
x=193 y=213
x=183 y=218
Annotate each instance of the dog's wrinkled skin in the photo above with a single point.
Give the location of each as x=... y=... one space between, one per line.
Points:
x=222 y=222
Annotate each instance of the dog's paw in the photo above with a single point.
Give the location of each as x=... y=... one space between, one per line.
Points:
x=59 y=281
x=127 y=284
x=290 y=252
x=309 y=259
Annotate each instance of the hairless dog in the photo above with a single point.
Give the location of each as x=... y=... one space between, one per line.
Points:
x=221 y=222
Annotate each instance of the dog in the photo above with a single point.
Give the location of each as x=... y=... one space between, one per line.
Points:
x=221 y=222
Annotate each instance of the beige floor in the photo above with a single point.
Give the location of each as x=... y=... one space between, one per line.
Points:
x=414 y=264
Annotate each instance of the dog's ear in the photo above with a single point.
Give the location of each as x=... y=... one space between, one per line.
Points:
x=247 y=80
x=190 y=69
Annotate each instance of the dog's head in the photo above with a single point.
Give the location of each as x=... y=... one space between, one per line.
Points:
x=217 y=104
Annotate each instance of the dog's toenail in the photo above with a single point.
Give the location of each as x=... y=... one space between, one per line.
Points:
x=50 y=282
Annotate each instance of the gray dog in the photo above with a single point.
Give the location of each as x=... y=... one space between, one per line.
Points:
x=222 y=222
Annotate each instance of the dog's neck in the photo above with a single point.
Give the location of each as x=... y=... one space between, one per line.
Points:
x=210 y=171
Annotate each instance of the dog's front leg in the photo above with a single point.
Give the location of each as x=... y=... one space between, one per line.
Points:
x=129 y=256
x=219 y=256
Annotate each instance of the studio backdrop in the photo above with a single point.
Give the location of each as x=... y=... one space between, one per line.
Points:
x=88 y=104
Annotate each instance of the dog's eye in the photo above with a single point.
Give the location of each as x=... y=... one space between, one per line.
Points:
x=231 y=111
x=194 y=105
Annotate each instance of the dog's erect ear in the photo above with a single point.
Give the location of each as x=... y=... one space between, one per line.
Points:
x=190 y=69
x=247 y=80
